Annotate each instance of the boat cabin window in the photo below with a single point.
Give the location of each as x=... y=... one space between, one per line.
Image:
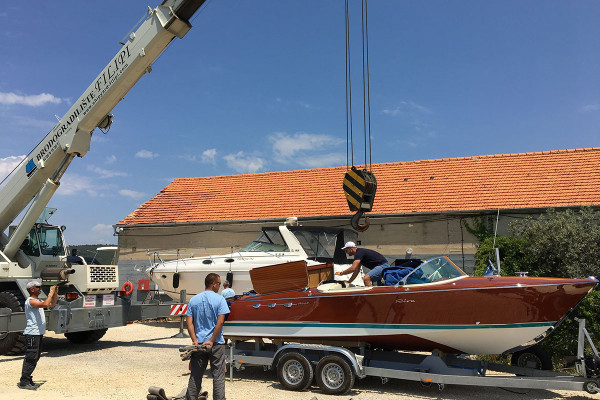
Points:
x=268 y=240
x=435 y=270
x=317 y=244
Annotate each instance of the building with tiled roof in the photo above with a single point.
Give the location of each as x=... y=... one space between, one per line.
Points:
x=419 y=204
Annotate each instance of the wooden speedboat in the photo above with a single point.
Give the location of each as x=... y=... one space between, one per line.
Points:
x=437 y=306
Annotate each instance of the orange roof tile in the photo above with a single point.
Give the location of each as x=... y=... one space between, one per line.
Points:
x=558 y=178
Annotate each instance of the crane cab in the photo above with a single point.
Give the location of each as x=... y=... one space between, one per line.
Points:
x=44 y=240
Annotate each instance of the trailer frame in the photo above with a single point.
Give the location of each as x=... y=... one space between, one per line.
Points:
x=435 y=368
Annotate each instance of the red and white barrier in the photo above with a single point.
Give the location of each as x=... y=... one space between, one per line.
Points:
x=178 y=309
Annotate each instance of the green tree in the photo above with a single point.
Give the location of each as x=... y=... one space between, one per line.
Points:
x=562 y=243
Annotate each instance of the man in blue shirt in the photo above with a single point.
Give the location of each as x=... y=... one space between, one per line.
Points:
x=34 y=330
x=205 y=317
x=370 y=259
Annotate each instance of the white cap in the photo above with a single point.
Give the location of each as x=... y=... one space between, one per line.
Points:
x=349 y=244
x=32 y=284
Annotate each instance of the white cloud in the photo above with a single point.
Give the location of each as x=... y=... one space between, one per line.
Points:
x=105 y=173
x=286 y=146
x=407 y=108
x=111 y=159
x=43 y=124
x=73 y=184
x=208 y=156
x=34 y=100
x=305 y=105
x=99 y=228
x=132 y=194
x=146 y=154
x=188 y=157
x=7 y=164
x=244 y=163
x=101 y=233
x=323 y=160
x=591 y=107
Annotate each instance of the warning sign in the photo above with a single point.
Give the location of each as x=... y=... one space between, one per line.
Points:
x=89 y=300
x=108 y=300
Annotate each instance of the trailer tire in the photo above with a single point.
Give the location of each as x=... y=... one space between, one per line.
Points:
x=12 y=343
x=294 y=371
x=85 y=337
x=532 y=357
x=334 y=375
x=591 y=387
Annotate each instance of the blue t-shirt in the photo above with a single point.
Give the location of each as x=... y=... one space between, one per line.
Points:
x=205 y=309
x=36 y=320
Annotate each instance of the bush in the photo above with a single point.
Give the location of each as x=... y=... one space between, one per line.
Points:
x=512 y=255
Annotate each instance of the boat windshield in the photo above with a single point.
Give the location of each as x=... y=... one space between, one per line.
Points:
x=435 y=270
x=317 y=244
x=268 y=240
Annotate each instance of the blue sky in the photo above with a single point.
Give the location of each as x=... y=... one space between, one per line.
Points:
x=259 y=86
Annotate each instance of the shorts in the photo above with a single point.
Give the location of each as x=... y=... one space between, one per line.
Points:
x=377 y=273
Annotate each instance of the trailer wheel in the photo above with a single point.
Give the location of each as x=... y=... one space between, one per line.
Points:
x=591 y=387
x=532 y=357
x=294 y=371
x=11 y=343
x=85 y=337
x=334 y=375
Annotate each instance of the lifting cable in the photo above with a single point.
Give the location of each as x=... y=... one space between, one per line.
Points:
x=349 y=137
x=366 y=85
x=366 y=90
x=359 y=185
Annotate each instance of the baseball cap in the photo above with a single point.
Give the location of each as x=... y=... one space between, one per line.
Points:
x=32 y=284
x=349 y=244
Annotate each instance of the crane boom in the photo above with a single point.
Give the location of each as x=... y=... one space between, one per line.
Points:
x=38 y=176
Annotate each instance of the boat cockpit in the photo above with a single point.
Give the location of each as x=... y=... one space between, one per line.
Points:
x=434 y=270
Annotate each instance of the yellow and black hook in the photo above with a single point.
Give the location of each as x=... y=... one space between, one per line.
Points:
x=356 y=222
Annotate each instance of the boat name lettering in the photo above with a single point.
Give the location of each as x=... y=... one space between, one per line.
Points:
x=404 y=301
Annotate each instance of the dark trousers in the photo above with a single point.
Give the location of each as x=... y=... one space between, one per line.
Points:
x=33 y=351
x=198 y=364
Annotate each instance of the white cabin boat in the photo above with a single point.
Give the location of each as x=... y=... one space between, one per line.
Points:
x=274 y=245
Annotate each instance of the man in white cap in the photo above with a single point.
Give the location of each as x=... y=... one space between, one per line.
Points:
x=368 y=258
x=34 y=331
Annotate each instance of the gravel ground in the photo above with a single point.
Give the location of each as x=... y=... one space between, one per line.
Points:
x=129 y=359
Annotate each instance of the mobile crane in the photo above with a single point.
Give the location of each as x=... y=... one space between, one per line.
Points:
x=89 y=301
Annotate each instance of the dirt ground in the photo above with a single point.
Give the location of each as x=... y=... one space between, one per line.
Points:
x=129 y=359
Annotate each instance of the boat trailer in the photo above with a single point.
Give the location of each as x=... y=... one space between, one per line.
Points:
x=335 y=368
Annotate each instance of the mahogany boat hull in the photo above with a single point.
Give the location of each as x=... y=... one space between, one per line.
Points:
x=472 y=315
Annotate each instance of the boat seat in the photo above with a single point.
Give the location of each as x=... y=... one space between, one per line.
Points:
x=337 y=287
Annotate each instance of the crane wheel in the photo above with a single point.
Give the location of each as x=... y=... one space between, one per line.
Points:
x=12 y=343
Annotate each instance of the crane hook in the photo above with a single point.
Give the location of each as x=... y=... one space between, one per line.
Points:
x=356 y=222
